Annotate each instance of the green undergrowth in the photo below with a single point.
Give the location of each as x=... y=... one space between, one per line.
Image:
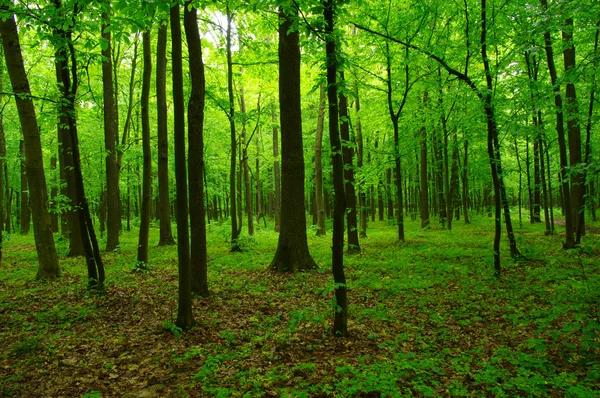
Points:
x=427 y=318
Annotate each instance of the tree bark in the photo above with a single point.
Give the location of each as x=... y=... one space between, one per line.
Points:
x=276 y=176
x=246 y=168
x=142 y=254
x=166 y=234
x=320 y=208
x=185 y=318
x=25 y=215
x=424 y=181
x=292 y=253
x=362 y=195
x=573 y=133
x=347 y=156
x=48 y=267
x=562 y=145
x=465 y=182
x=110 y=137
x=196 y=153
x=340 y=322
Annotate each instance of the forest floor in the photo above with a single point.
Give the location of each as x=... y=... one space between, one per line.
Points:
x=426 y=318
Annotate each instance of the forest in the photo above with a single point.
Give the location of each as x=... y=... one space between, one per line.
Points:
x=299 y=198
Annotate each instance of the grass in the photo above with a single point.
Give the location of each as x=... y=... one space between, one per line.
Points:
x=427 y=318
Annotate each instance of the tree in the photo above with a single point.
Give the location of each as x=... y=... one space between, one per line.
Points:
x=142 y=255
x=292 y=253
x=340 y=320
x=166 y=235
x=110 y=138
x=185 y=318
x=196 y=153
x=48 y=267
x=347 y=156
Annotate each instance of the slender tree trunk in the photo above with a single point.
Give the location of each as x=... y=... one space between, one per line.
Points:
x=246 y=168
x=53 y=194
x=25 y=212
x=536 y=184
x=390 y=201
x=347 y=156
x=292 y=253
x=166 y=234
x=185 y=318
x=2 y=155
x=520 y=182
x=48 y=267
x=540 y=147
x=562 y=145
x=142 y=254
x=340 y=323
x=423 y=169
x=362 y=195
x=128 y=118
x=231 y=115
x=110 y=134
x=574 y=132
x=276 y=175
x=589 y=187
x=320 y=208
x=465 y=181
x=196 y=153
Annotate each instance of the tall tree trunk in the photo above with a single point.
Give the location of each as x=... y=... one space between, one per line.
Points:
x=562 y=145
x=246 y=168
x=574 y=132
x=292 y=253
x=25 y=211
x=231 y=115
x=142 y=254
x=347 y=156
x=196 y=153
x=424 y=181
x=589 y=187
x=185 y=318
x=128 y=118
x=520 y=182
x=340 y=323
x=465 y=182
x=53 y=194
x=166 y=234
x=540 y=147
x=390 y=200
x=48 y=267
x=536 y=184
x=2 y=155
x=362 y=195
x=319 y=164
x=110 y=137
x=276 y=175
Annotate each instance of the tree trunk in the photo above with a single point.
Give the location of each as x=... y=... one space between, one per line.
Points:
x=48 y=267
x=319 y=164
x=574 y=133
x=196 y=153
x=25 y=214
x=562 y=145
x=465 y=181
x=166 y=234
x=536 y=184
x=231 y=115
x=246 y=168
x=424 y=181
x=53 y=194
x=292 y=253
x=142 y=254
x=185 y=318
x=347 y=156
x=110 y=137
x=276 y=175
x=340 y=323
x=362 y=195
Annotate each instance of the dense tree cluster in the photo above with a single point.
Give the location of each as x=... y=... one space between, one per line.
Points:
x=434 y=110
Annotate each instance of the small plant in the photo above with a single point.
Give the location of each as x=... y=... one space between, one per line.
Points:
x=141 y=267
x=170 y=327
